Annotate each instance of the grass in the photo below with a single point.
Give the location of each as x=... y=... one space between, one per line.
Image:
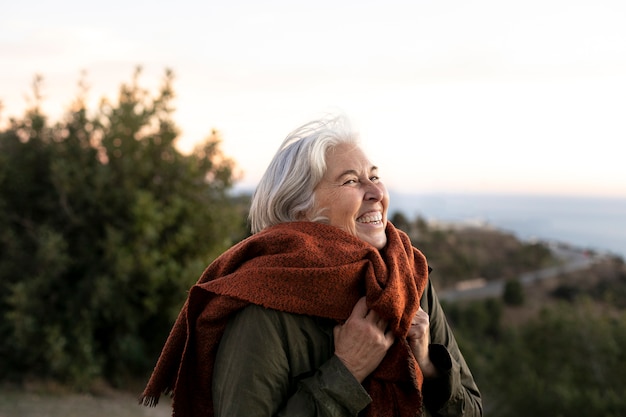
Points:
x=16 y=402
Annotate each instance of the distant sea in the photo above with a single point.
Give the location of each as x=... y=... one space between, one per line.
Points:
x=586 y=222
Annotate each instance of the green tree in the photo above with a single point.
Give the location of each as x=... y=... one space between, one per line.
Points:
x=400 y=221
x=104 y=225
x=569 y=361
x=513 y=292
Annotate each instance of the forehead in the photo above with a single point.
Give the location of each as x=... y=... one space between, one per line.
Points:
x=347 y=156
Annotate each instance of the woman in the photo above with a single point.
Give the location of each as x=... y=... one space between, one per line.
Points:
x=318 y=312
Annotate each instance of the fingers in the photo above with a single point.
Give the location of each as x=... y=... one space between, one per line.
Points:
x=419 y=333
x=362 y=341
x=375 y=318
x=420 y=318
x=360 y=308
x=361 y=311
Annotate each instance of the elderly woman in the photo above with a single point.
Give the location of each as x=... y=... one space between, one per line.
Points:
x=318 y=312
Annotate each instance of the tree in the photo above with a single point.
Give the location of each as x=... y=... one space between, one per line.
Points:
x=400 y=221
x=569 y=361
x=513 y=292
x=104 y=225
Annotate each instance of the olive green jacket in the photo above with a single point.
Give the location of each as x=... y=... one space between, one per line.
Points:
x=272 y=363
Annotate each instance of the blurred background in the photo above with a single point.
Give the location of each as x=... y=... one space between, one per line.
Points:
x=449 y=96
x=132 y=135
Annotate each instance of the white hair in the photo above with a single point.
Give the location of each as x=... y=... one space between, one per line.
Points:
x=286 y=191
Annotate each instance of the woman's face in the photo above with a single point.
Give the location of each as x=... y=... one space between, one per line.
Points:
x=351 y=196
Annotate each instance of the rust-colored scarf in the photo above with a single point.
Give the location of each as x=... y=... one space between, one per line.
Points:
x=304 y=268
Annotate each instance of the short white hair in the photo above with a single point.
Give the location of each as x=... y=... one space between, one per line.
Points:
x=286 y=190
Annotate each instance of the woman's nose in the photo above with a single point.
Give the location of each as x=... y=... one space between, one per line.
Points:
x=374 y=191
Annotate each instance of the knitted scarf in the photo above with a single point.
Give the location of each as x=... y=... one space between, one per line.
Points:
x=303 y=268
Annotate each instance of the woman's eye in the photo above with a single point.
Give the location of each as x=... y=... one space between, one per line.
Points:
x=375 y=178
x=350 y=181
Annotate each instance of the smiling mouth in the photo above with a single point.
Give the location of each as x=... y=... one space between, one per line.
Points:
x=373 y=218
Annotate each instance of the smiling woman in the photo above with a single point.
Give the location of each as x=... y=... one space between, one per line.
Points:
x=321 y=174
x=351 y=196
x=326 y=310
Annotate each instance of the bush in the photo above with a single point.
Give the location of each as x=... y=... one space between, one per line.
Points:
x=104 y=225
x=513 y=293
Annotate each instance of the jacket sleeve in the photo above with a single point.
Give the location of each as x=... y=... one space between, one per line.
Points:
x=454 y=393
x=267 y=366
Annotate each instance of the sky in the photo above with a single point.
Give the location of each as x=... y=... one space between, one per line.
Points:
x=448 y=96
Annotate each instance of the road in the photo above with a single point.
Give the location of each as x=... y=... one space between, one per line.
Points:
x=572 y=260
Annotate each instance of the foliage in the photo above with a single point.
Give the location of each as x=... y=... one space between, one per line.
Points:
x=477 y=328
x=103 y=227
x=513 y=292
x=569 y=361
x=462 y=252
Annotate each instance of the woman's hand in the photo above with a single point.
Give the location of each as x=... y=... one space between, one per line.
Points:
x=419 y=339
x=362 y=341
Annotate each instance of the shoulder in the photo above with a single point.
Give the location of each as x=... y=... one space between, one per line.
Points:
x=304 y=342
x=255 y=319
x=255 y=313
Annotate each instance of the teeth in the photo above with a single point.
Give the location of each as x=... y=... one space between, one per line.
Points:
x=372 y=218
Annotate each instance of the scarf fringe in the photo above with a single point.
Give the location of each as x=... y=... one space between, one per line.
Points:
x=153 y=400
x=148 y=401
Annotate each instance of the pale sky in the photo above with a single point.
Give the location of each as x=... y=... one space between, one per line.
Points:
x=489 y=95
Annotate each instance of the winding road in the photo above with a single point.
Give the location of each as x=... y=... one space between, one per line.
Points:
x=572 y=259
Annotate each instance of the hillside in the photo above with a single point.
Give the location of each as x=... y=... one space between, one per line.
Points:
x=603 y=284
x=547 y=327
x=474 y=262
x=463 y=252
